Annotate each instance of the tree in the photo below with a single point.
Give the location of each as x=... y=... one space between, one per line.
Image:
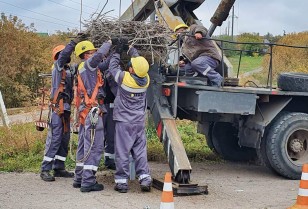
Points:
x=23 y=56
x=250 y=38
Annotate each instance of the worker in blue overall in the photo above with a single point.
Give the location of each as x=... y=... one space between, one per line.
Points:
x=109 y=125
x=199 y=55
x=91 y=133
x=56 y=148
x=129 y=114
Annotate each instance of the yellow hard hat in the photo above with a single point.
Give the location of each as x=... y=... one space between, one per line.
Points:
x=83 y=46
x=182 y=25
x=140 y=66
x=56 y=50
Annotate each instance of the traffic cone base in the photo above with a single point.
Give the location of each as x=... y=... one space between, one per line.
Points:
x=167 y=201
x=302 y=197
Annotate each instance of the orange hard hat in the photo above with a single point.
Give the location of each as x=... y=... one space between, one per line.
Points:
x=56 y=50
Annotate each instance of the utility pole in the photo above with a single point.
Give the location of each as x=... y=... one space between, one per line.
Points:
x=232 y=26
x=3 y=113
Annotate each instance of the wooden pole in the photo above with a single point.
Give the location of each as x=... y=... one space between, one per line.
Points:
x=3 y=112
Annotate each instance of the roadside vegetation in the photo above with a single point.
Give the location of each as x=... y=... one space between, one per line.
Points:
x=22 y=147
x=29 y=54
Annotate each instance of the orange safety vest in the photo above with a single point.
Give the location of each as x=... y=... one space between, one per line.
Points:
x=89 y=101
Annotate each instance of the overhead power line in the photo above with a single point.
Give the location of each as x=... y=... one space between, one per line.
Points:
x=82 y=5
x=34 y=18
x=38 y=13
x=67 y=6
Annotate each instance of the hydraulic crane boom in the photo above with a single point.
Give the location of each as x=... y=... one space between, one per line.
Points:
x=171 y=13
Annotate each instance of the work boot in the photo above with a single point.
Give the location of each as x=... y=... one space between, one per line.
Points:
x=121 y=187
x=94 y=187
x=46 y=176
x=76 y=184
x=145 y=184
x=109 y=163
x=63 y=173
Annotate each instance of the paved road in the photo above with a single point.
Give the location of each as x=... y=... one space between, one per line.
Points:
x=231 y=185
x=25 y=117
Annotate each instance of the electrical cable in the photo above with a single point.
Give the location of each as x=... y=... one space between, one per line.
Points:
x=68 y=6
x=83 y=5
x=34 y=18
x=38 y=13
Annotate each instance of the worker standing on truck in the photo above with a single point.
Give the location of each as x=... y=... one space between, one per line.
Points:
x=91 y=133
x=110 y=87
x=56 y=148
x=199 y=55
x=129 y=115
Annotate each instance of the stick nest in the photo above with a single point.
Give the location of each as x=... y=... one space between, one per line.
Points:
x=151 y=39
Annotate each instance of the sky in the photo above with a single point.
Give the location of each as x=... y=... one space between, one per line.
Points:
x=258 y=16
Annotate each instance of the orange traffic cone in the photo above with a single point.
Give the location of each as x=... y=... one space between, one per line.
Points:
x=167 y=195
x=302 y=197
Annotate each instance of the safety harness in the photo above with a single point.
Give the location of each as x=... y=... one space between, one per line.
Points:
x=90 y=102
x=57 y=102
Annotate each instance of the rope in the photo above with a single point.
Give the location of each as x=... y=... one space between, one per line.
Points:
x=93 y=114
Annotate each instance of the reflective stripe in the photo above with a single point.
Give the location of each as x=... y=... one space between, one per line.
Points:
x=48 y=159
x=304 y=176
x=58 y=157
x=121 y=181
x=111 y=105
x=143 y=176
x=82 y=70
x=112 y=156
x=90 y=167
x=116 y=78
x=167 y=187
x=303 y=192
x=133 y=90
x=79 y=164
x=89 y=67
x=167 y=205
x=207 y=70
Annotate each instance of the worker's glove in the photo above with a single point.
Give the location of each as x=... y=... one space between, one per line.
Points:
x=183 y=59
x=80 y=37
x=124 y=42
x=115 y=40
x=119 y=48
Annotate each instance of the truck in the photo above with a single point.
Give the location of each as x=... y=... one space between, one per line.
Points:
x=240 y=123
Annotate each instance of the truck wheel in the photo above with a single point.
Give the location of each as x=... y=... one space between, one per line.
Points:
x=225 y=141
x=287 y=144
x=293 y=82
x=209 y=138
x=262 y=154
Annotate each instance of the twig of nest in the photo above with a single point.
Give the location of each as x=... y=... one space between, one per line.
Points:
x=151 y=39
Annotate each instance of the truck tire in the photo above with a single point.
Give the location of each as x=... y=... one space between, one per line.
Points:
x=293 y=82
x=287 y=144
x=209 y=138
x=225 y=141
x=262 y=154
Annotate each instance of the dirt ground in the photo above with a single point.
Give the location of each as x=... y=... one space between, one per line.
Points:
x=230 y=185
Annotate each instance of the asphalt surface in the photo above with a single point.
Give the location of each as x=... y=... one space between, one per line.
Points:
x=230 y=185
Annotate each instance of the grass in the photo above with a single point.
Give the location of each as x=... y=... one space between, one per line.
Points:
x=22 y=147
x=248 y=63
